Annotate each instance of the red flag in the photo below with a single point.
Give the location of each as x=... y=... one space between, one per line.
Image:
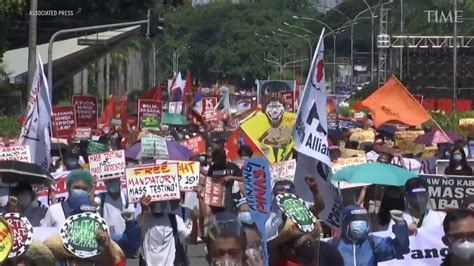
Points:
x=158 y=93
x=108 y=112
x=188 y=86
x=121 y=112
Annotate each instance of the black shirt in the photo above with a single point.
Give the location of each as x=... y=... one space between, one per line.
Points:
x=220 y=172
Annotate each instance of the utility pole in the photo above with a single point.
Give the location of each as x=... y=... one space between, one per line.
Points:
x=402 y=30
x=455 y=56
x=32 y=43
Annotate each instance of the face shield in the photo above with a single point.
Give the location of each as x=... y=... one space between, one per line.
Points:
x=359 y=225
x=282 y=187
x=417 y=200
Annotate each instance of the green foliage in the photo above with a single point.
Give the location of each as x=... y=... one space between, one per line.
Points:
x=448 y=121
x=9 y=126
x=8 y=10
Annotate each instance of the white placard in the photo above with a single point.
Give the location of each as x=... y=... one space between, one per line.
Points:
x=107 y=165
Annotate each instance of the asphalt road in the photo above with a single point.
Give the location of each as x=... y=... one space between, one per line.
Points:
x=196 y=255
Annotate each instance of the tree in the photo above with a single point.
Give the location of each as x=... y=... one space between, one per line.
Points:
x=9 y=9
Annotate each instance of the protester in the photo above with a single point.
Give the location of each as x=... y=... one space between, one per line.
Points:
x=24 y=201
x=392 y=200
x=458 y=227
x=359 y=248
x=458 y=163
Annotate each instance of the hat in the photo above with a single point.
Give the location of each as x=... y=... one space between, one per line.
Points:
x=79 y=174
x=38 y=253
x=416 y=184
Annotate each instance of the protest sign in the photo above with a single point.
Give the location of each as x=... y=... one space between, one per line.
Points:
x=86 y=110
x=295 y=209
x=15 y=153
x=197 y=145
x=175 y=107
x=96 y=147
x=283 y=171
x=154 y=146
x=22 y=233
x=214 y=193
x=188 y=173
x=83 y=133
x=63 y=121
x=79 y=234
x=258 y=181
x=467 y=126
x=242 y=103
x=107 y=165
x=363 y=136
x=237 y=139
x=208 y=107
x=448 y=192
x=441 y=165
x=289 y=98
x=161 y=182
x=405 y=140
x=342 y=163
x=6 y=239
x=149 y=113
x=348 y=153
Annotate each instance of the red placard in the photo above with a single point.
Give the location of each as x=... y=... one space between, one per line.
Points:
x=208 y=106
x=197 y=145
x=289 y=98
x=63 y=121
x=86 y=110
x=149 y=109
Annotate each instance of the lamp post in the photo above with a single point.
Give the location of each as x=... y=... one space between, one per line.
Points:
x=310 y=45
x=352 y=44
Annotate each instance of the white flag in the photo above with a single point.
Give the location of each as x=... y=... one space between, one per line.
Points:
x=310 y=137
x=36 y=127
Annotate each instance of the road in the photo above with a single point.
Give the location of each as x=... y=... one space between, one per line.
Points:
x=196 y=255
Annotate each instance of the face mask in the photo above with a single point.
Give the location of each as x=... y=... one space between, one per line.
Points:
x=113 y=186
x=24 y=200
x=244 y=157
x=457 y=157
x=359 y=230
x=245 y=217
x=306 y=252
x=226 y=262
x=464 y=250
x=77 y=198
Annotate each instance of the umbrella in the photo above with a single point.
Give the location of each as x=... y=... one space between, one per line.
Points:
x=174 y=119
x=175 y=151
x=16 y=171
x=375 y=173
x=436 y=137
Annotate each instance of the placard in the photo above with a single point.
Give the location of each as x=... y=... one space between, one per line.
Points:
x=154 y=146
x=149 y=113
x=161 y=182
x=363 y=136
x=96 y=147
x=342 y=163
x=6 y=239
x=295 y=209
x=348 y=153
x=197 y=145
x=214 y=193
x=63 y=121
x=467 y=126
x=188 y=173
x=448 y=192
x=83 y=133
x=283 y=171
x=405 y=140
x=289 y=98
x=107 y=165
x=22 y=233
x=79 y=234
x=15 y=153
x=175 y=107
x=208 y=107
x=86 y=110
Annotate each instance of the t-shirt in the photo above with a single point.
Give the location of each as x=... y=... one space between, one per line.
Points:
x=218 y=172
x=431 y=219
x=54 y=216
x=112 y=214
x=158 y=242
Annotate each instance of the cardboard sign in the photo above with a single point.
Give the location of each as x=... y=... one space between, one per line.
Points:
x=15 y=153
x=83 y=133
x=441 y=165
x=188 y=173
x=175 y=107
x=467 y=126
x=22 y=233
x=86 y=110
x=283 y=171
x=149 y=113
x=289 y=99
x=96 y=148
x=405 y=140
x=161 y=182
x=197 y=145
x=214 y=193
x=448 y=192
x=347 y=162
x=6 y=239
x=208 y=106
x=79 y=234
x=154 y=146
x=363 y=136
x=107 y=165
x=258 y=191
x=295 y=209
x=63 y=121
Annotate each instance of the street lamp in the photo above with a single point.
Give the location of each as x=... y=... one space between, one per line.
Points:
x=310 y=45
x=372 y=14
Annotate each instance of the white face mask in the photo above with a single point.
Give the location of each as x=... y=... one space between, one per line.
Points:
x=464 y=250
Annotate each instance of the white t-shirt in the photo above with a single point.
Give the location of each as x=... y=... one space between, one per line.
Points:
x=113 y=213
x=54 y=216
x=158 y=243
x=432 y=219
x=371 y=156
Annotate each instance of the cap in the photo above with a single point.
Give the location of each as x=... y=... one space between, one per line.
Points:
x=416 y=185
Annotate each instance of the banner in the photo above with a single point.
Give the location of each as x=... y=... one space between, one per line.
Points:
x=242 y=103
x=83 y=133
x=342 y=163
x=197 y=145
x=108 y=165
x=258 y=191
x=448 y=192
x=154 y=146
x=405 y=140
x=209 y=105
x=265 y=88
x=86 y=110
x=214 y=193
x=161 y=182
x=283 y=171
x=188 y=173
x=96 y=147
x=63 y=122
x=149 y=113
x=289 y=98
x=15 y=153
x=310 y=136
x=175 y=107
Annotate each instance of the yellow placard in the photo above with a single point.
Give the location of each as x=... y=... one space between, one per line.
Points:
x=467 y=126
x=363 y=136
x=347 y=162
x=6 y=240
x=405 y=140
x=347 y=153
x=275 y=142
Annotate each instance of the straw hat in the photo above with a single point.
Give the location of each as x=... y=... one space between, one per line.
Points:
x=39 y=254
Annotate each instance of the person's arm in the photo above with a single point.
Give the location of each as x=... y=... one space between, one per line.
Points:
x=318 y=205
x=360 y=200
x=145 y=204
x=192 y=238
x=387 y=248
x=111 y=254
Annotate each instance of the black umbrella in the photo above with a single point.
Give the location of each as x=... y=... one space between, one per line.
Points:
x=15 y=172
